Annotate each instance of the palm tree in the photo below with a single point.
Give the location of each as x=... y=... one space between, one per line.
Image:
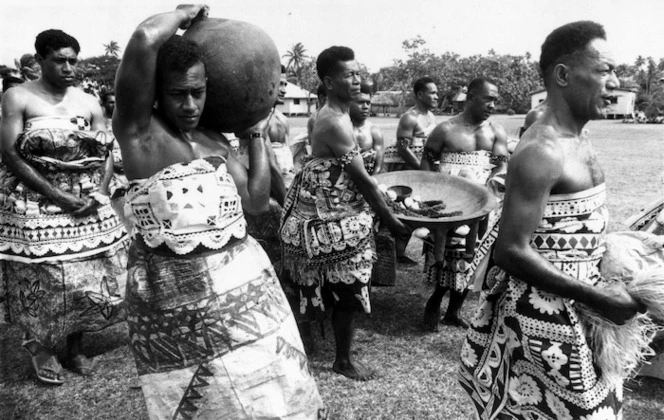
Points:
x=296 y=58
x=112 y=48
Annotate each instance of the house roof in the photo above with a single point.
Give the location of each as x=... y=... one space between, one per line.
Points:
x=383 y=98
x=293 y=91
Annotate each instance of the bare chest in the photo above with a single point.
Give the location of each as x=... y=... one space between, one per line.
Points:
x=66 y=106
x=469 y=139
x=581 y=170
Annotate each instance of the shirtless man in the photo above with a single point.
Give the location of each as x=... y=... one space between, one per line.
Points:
x=413 y=129
x=337 y=271
x=550 y=245
x=278 y=129
x=368 y=136
x=472 y=146
x=281 y=158
x=60 y=238
x=196 y=193
x=415 y=125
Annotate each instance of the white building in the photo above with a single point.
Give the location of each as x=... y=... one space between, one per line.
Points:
x=295 y=101
x=622 y=104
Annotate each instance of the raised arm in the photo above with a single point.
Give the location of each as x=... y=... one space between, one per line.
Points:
x=532 y=175
x=379 y=147
x=135 y=80
x=405 y=134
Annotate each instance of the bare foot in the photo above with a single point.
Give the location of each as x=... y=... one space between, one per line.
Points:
x=431 y=315
x=81 y=365
x=353 y=370
x=455 y=321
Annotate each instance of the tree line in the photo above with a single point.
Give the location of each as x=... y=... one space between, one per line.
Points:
x=517 y=76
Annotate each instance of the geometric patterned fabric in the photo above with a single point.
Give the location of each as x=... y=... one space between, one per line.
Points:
x=211 y=331
x=459 y=268
x=35 y=229
x=525 y=353
x=186 y=205
x=40 y=244
x=328 y=236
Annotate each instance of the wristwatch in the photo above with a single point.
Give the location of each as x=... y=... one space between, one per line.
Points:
x=255 y=136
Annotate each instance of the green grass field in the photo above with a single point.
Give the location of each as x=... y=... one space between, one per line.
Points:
x=417 y=370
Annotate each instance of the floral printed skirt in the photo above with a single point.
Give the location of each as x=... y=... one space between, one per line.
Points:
x=52 y=300
x=526 y=355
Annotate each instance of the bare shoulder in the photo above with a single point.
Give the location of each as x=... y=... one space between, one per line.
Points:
x=375 y=130
x=16 y=96
x=408 y=119
x=498 y=130
x=443 y=128
x=333 y=126
x=539 y=150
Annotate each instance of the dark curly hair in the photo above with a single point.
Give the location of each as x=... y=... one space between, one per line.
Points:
x=477 y=84
x=177 y=55
x=565 y=42
x=421 y=83
x=328 y=61
x=53 y=40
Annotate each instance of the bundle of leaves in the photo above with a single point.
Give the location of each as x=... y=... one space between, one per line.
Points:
x=619 y=350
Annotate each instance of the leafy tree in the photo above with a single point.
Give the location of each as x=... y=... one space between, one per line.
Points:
x=296 y=59
x=101 y=69
x=112 y=49
x=516 y=76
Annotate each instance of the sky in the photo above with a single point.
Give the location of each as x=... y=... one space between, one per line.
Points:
x=375 y=29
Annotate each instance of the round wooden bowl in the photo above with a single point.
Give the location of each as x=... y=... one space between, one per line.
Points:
x=474 y=200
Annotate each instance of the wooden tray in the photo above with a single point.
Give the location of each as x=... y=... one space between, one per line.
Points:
x=474 y=200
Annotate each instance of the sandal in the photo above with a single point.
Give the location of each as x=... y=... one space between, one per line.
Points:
x=81 y=365
x=48 y=371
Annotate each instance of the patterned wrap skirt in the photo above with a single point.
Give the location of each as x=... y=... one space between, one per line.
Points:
x=54 y=299
x=214 y=338
x=526 y=353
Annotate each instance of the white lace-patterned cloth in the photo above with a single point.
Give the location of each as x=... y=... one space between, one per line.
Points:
x=186 y=205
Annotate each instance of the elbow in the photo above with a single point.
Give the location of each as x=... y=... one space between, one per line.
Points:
x=146 y=35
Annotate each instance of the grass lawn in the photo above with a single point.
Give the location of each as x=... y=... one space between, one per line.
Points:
x=417 y=370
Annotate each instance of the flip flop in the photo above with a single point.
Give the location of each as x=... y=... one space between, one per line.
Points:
x=81 y=365
x=51 y=364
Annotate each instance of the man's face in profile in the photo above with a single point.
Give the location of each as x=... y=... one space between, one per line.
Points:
x=283 y=83
x=592 y=80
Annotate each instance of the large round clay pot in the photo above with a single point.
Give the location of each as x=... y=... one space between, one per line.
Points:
x=243 y=68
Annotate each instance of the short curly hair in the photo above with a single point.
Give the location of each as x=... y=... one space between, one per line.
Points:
x=421 y=83
x=565 y=42
x=327 y=63
x=53 y=40
x=177 y=55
